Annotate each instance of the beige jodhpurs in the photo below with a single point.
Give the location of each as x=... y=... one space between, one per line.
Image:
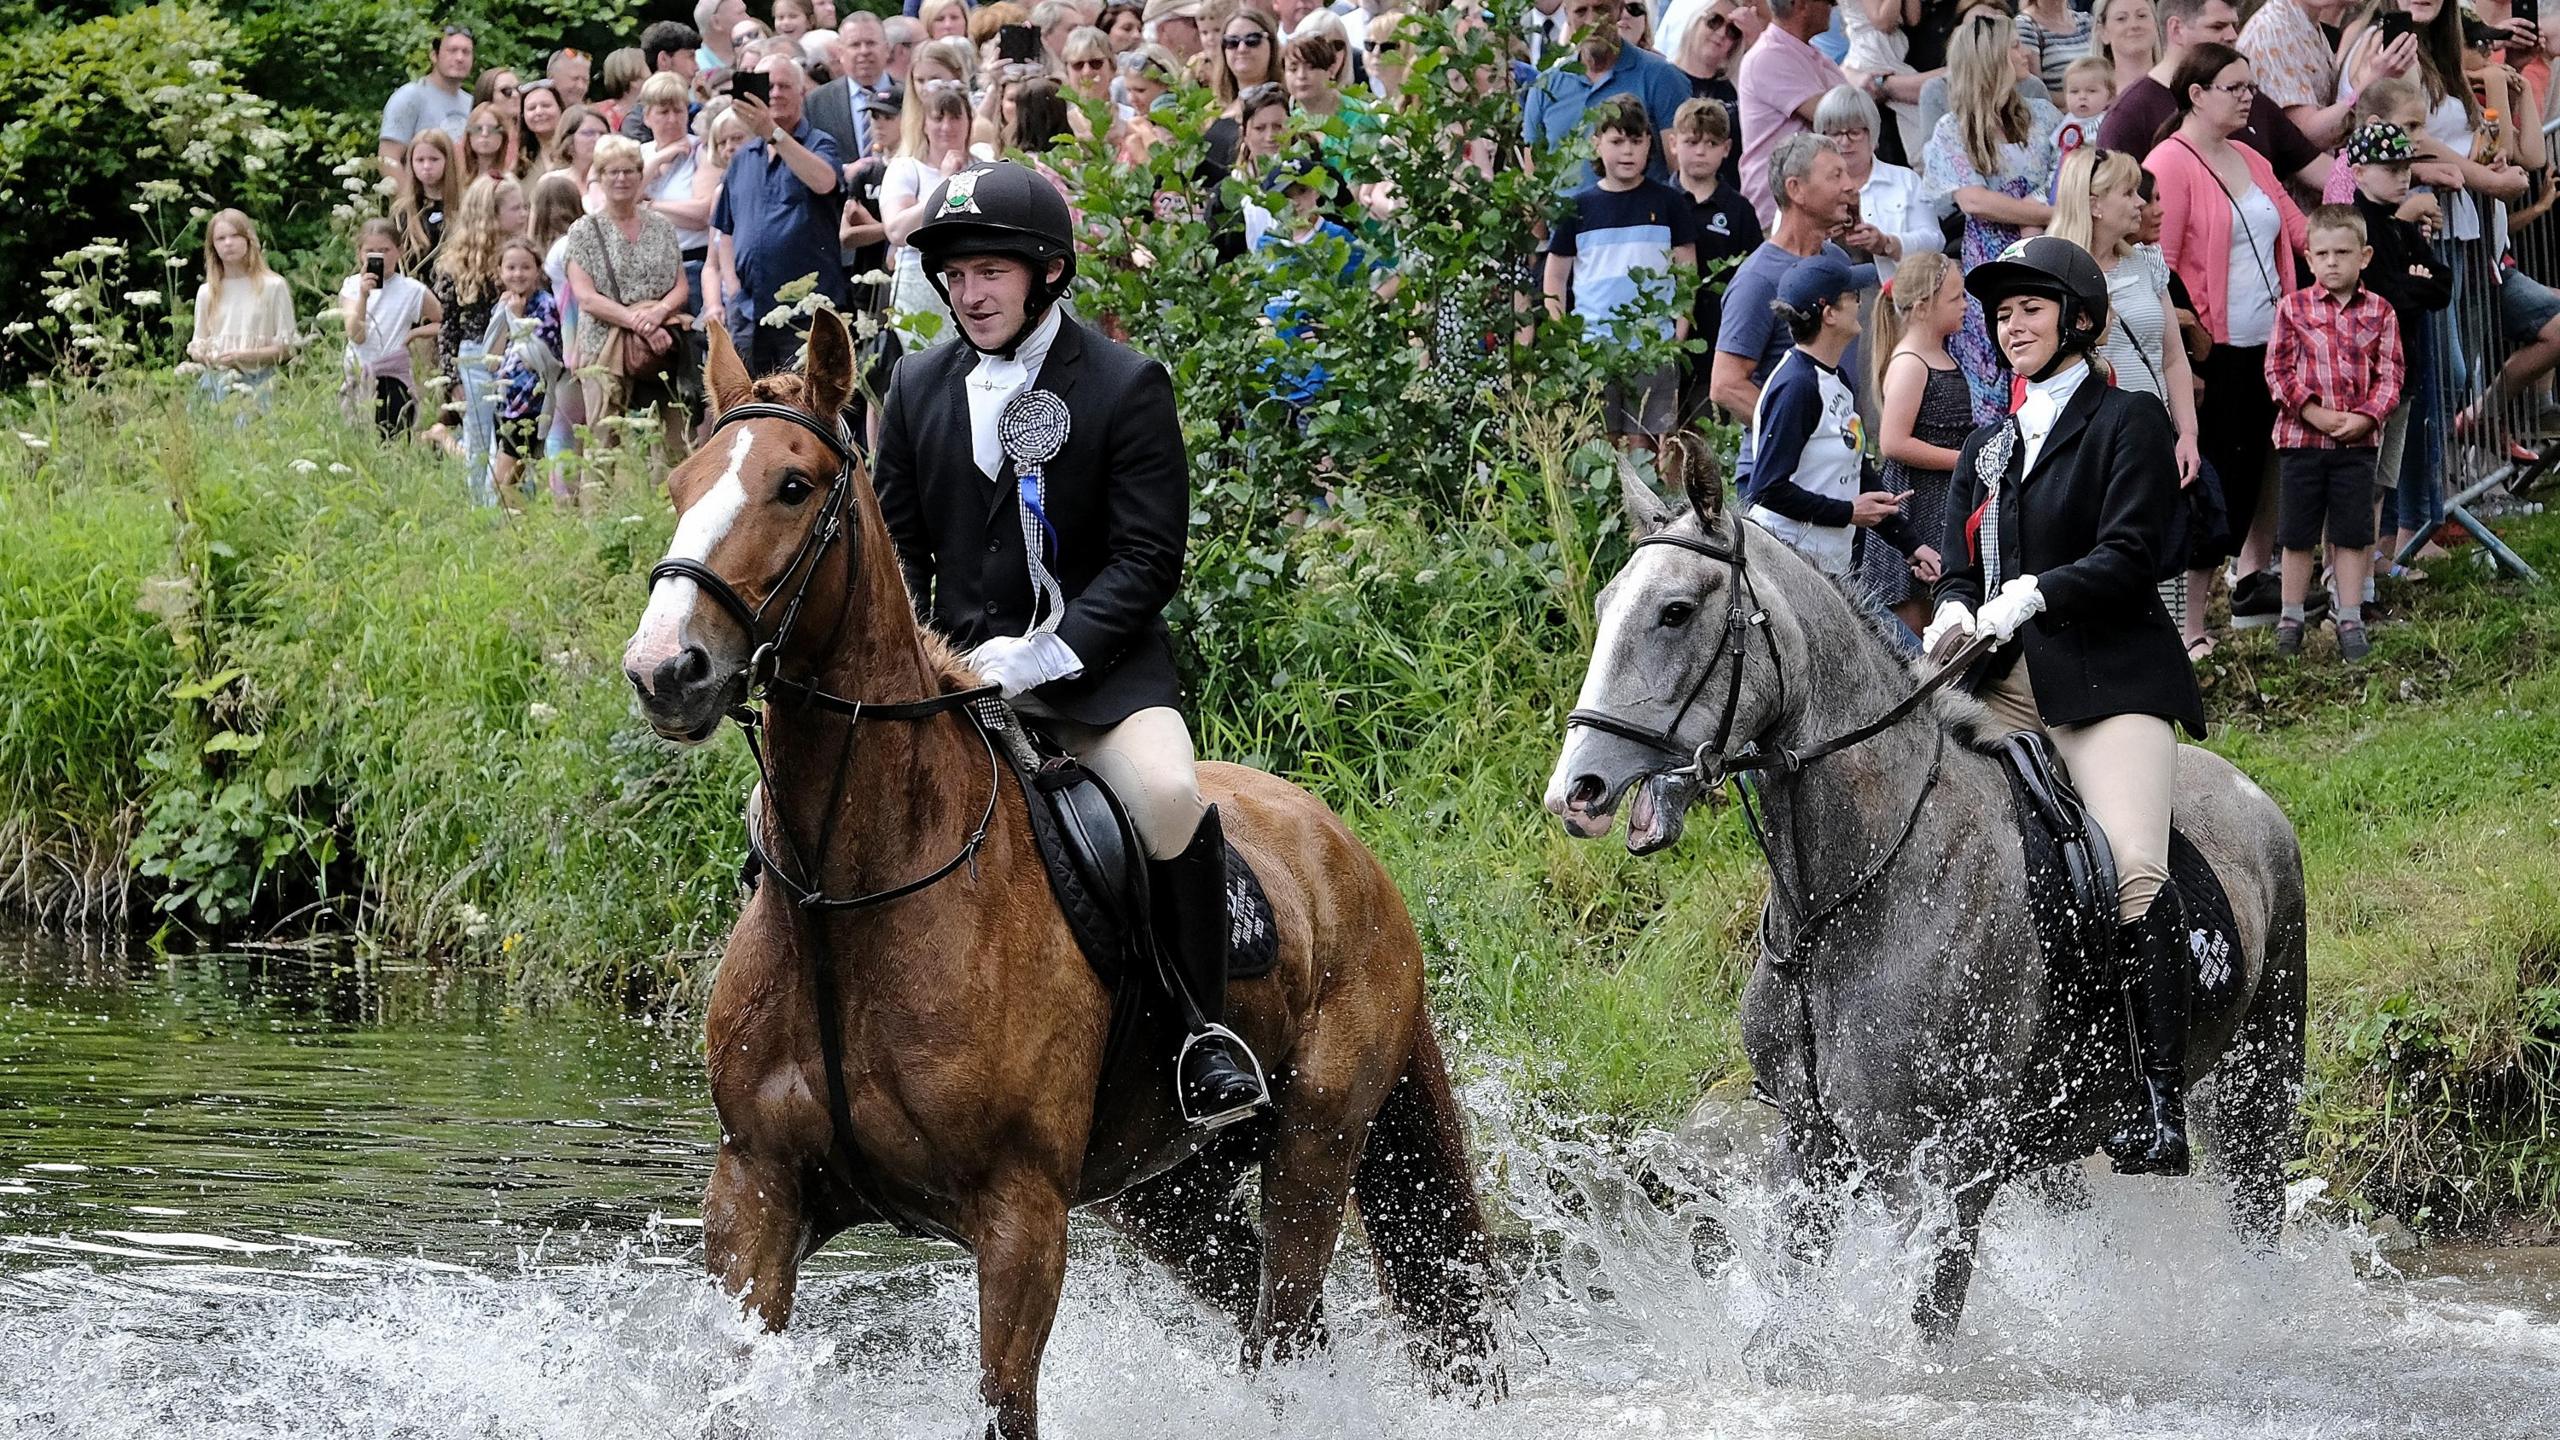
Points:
x=2125 y=768
x=1147 y=761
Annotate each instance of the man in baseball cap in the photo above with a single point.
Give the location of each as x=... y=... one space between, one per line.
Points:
x=1174 y=24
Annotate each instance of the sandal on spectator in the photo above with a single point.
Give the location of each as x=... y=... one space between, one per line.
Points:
x=2288 y=637
x=2352 y=644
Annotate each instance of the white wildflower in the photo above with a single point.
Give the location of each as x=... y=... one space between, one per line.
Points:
x=542 y=714
x=101 y=250
x=16 y=328
x=142 y=299
x=186 y=368
x=337 y=467
x=62 y=302
x=475 y=921
x=34 y=442
x=138 y=208
x=158 y=190
x=206 y=68
x=304 y=467
x=352 y=185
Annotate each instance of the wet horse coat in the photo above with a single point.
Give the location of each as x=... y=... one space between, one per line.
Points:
x=972 y=1029
x=1916 y=1036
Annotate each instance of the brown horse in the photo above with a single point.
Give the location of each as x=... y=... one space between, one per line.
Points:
x=973 y=1031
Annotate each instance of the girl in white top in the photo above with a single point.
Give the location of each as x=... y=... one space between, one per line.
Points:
x=940 y=145
x=386 y=312
x=244 y=311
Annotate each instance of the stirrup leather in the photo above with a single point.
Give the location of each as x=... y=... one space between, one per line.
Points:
x=1181 y=1095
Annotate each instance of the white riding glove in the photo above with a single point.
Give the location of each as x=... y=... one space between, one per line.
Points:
x=1953 y=618
x=1017 y=664
x=2017 y=602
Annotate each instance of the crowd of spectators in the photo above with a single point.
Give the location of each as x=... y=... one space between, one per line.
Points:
x=565 y=240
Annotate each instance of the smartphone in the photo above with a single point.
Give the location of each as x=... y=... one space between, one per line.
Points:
x=752 y=82
x=373 y=266
x=2530 y=12
x=2396 y=23
x=1017 y=43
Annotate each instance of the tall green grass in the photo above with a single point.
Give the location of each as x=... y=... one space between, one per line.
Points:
x=436 y=688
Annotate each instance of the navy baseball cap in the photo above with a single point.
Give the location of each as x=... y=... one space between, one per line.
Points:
x=1816 y=281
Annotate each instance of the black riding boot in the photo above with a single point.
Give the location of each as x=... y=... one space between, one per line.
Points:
x=1217 y=1080
x=2159 y=973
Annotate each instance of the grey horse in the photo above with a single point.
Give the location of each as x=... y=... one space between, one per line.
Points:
x=1901 y=1015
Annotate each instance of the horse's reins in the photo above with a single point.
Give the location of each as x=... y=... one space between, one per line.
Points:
x=1709 y=765
x=764 y=680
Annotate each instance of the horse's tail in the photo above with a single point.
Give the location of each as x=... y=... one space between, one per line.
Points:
x=1426 y=1229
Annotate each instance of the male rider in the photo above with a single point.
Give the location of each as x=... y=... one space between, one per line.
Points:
x=1034 y=481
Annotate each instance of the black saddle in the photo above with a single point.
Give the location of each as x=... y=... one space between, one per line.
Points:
x=2071 y=874
x=1096 y=864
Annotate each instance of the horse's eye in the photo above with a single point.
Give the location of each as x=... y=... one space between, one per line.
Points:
x=1677 y=613
x=793 y=490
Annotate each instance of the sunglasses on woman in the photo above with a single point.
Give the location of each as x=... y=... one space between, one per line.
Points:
x=1250 y=40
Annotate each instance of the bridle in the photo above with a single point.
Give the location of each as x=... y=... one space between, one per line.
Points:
x=763 y=681
x=1710 y=764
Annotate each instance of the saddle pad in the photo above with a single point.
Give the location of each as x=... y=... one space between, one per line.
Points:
x=2073 y=932
x=2213 y=932
x=1104 y=903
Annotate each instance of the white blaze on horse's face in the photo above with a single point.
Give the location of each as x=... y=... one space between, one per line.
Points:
x=672 y=623
x=1640 y=669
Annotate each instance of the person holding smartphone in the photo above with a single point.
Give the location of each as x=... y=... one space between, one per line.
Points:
x=781 y=204
x=386 y=312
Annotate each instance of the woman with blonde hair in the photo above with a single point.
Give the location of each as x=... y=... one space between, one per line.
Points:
x=2098 y=206
x=423 y=194
x=2129 y=39
x=944 y=19
x=724 y=133
x=1993 y=158
x=941 y=147
x=493 y=211
x=937 y=66
x=244 y=311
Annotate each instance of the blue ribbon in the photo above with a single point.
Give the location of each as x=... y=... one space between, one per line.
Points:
x=1027 y=485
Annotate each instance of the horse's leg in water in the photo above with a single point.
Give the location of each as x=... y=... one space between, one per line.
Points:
x=755 y=1232
x=1191 y=1221
x=1306 y=1182
x=1941 y=1303
x=2255 y=1122
x=1020 y=1237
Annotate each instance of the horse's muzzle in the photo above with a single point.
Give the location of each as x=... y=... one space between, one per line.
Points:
x=682 y=697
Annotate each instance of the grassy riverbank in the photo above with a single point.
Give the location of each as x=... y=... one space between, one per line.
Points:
x=281 y=670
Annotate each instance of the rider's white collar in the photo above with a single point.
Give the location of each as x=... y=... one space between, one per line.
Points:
x=996 y=381
x=2043 y=406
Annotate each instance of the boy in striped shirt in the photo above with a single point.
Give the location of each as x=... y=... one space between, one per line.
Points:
x=2335 y=368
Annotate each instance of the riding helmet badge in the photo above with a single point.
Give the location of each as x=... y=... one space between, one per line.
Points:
x=960 y=193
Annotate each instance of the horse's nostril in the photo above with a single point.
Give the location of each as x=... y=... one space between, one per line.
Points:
x=1587 y=790
x=693 y=666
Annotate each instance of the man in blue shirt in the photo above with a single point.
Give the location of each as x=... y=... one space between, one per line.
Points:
x=1553 y=114
x=779 y=210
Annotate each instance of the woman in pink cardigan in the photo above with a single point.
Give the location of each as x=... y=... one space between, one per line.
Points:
x=2229 y=230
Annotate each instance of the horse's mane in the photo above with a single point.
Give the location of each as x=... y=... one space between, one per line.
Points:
x=942 y=662
x=1966 y=720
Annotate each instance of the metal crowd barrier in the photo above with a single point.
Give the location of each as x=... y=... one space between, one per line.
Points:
x=2512 y=443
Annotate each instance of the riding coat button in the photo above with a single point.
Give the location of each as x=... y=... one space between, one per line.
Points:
x=993 y=547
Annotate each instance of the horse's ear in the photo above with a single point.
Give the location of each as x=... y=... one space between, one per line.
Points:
x=724 y=374
x=1646 y=511
x=827 y=376
x=1689 y=464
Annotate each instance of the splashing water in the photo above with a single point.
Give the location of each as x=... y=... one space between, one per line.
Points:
x=200 y=1281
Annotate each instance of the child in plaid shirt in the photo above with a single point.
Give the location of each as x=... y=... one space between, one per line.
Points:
x=2335 y=368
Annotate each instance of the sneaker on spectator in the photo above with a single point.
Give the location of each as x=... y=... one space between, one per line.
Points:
x=2256 y=600
x=2352 y=644
x=2288 y=638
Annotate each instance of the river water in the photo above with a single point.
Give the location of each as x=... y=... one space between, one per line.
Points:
x=259 y=1196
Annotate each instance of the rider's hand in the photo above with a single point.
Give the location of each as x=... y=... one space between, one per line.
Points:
x=2017 y=602
x=1017 y=664
x=1953 y=618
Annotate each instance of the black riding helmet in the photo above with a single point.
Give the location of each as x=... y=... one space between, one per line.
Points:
x=1003 y=208
x=2053 y=267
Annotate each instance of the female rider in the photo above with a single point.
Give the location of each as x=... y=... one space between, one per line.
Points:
x=2072 y=499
